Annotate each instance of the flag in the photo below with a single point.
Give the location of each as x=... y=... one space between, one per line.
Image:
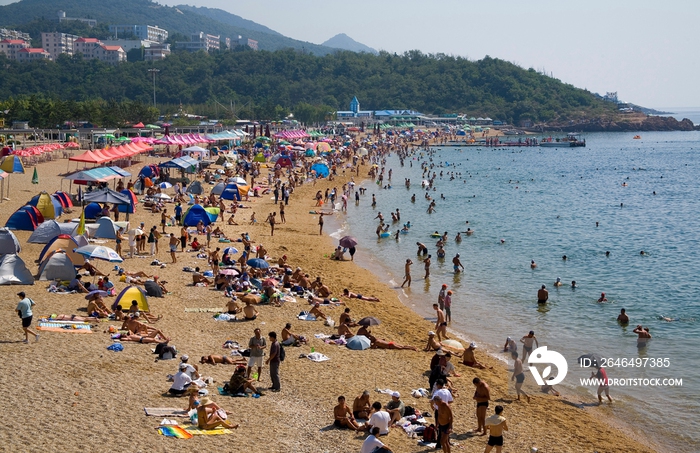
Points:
x=81 y=225
x=35 y=178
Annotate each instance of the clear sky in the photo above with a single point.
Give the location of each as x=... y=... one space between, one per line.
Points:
x=645 y=50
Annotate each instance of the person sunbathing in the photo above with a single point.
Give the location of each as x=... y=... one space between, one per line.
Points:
x=210 y=415
x=249 y=311
x=151 y=319
x=223 y=359
x=98 y=309
x=197 y=277
x=138 y=338
x=383 y=344
x=139 y=274
x=92 y=269
x=218 y=232
x=432 y=344
x=119 y=314
x=291 y=339
x=318 y=313
x=344 y=329
x=351 y=295
x=193 y=400
x=71 y=318
x=133 y=325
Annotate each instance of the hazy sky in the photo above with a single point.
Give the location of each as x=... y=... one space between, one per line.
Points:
x=645 y=50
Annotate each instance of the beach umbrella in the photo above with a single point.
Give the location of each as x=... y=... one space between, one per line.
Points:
x=348 y=241
x=230 y=250
x=588 y=360
x=323 y=147
x=369 y=321
x=270 y=282
x=35 y=177
x=358 y=343
x=165 y=185
x=99 y=252
x=238 y=180
x=161 y=196
x=11 y=164
x=258 y=263
x=231 y=272
x=97 y=292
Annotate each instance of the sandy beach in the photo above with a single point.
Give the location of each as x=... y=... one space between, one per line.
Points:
x=70 y=393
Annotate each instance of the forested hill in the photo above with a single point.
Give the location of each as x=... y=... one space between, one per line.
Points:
x=25 y=14
x=430 y=84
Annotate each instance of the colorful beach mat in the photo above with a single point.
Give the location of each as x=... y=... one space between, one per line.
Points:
x=195 y=431
x=175 y=431
x=64 y=327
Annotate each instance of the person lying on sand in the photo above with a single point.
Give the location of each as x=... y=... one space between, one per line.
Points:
x=351 y=295
x=92 y=269
x=139 y=338
x=223 y=359
x=133 y=325
x=71 y=318
x=323 y=300
x=384 y=344
x=210 y=415
x=469 y=359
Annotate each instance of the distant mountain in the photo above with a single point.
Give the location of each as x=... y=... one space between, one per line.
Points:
x=183 y=20
x=344 y=42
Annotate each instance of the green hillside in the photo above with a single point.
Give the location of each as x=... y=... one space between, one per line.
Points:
x=269 y=83
x=227 y=18
x=174 y=20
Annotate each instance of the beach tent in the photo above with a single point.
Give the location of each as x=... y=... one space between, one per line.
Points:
x=81 y=240
x=195 y=188
x=106 y=196
x=231 y=192
x=321 y=169
x=93 y=211
x=213 y=213
x=149 y=171
x=64 y=198
x=9 y=244
x=49 y=206
x=57 y=266
x=284 y=161
x=218 y=189
x=129 y=294
x=13 y=271
x=66 y=243
x=194 y=214
x=133 y=201
x=106 y=229
x=50 y=229
x=26 y=218
x=260 y=157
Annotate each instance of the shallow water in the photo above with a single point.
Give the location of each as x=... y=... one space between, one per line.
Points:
x=545 y=203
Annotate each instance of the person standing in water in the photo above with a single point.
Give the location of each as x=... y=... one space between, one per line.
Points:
x=426 y=266
x=542 y=295
x=527 y=342
x=407 y=273
x=457 y=264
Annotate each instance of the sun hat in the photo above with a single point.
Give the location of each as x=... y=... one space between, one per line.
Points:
x=431 y=333
x=440 y=352
x=204 y=401
x=184 y=357
x=183 y=366
x=472 y=345
x=396 y=395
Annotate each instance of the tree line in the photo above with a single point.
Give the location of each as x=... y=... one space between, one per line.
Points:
x=268 y=85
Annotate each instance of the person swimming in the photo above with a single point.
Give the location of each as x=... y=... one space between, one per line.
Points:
x=558 y=282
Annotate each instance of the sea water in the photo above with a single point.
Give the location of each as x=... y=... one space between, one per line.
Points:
x=544 y=203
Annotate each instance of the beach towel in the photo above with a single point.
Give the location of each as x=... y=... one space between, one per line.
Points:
x=175 y=431
x=164 y=412
x=196 y=431
x=64 y=327
x=204 y=310
x=317 y=357
x=225 y=393
x=306 y=317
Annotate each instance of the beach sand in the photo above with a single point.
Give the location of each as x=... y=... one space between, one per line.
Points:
x=68 y=392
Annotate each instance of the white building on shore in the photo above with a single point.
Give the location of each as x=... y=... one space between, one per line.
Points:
x=150 y=33
x=58 y=43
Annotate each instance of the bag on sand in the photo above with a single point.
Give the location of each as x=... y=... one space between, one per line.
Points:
x=429 y=434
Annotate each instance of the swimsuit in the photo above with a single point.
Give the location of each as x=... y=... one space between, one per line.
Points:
x=495 y=441
x=482 y=404
x=541 y=301
x=520 y=378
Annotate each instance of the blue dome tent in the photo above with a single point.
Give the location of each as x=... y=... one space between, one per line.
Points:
x=194 y=215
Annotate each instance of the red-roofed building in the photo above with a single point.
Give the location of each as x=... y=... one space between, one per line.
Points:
x=86 y=46
x=10 y=47
x=93 y=48
x=110 y=54
x=33 y=53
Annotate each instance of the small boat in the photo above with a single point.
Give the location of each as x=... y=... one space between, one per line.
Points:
x=637 y=137
x=571 y=140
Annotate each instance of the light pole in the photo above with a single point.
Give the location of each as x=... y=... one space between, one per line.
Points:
x=154 y=71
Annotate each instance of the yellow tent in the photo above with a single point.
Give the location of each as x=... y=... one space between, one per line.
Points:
x=130 y=294
x=45 y=205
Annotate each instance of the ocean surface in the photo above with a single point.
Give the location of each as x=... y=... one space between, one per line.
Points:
x=544 y=203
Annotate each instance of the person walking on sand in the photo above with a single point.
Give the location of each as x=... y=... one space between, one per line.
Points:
x=173 y=246
x=163 y=219
x=320 y=223
x=440 y=324
x=519 y=377
x=496 y=424
x=527 y=341
x=482 y=395
x=282 y=219
x=271 y=220
x=407 y=273
x=542 y=295
x=603 y=384
x=24 y=310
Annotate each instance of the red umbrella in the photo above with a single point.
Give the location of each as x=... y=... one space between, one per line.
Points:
x=270 y=282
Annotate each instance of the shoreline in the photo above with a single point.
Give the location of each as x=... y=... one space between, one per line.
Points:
x=89 y=385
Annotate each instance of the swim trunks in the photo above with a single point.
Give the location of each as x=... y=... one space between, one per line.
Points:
x=443 y=324
x=495 y=441
x=482 y=404
x=541 y=301
x=520 y=378
x=456 y=268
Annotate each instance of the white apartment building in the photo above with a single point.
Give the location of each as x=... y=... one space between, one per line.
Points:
x=11 y=47
x=201 y=41
x=156 y=52
x=143 y=32
x=57 y=43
